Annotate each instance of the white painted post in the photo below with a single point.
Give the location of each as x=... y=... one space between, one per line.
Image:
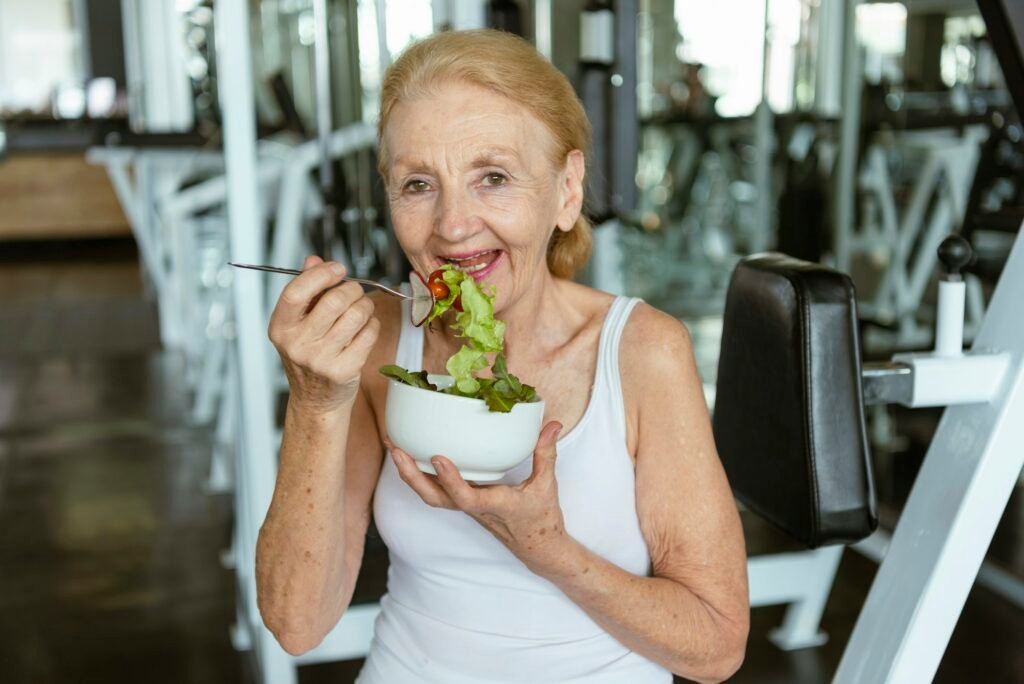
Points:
x=947 y=524
x=800 y=627
x=257 y=457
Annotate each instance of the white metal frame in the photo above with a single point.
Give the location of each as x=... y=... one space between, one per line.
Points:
x=143 y=179
x=159 y=92
x=950 y=162
x=801 y=579
x=948 y=521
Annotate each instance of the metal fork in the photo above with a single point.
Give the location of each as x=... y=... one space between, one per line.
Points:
x=292 y=271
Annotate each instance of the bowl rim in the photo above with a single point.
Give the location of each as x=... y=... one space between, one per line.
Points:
x=404 y=386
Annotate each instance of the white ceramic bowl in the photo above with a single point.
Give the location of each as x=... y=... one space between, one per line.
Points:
x=484 y=445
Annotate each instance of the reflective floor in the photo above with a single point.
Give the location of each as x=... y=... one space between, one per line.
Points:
x=110 y=547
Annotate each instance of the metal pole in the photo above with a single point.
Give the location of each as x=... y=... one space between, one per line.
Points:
x=257 y=457
x=322 y=67
x=542 y=27
x=383 y=51
x=625 y=141
x=946 y=526
x=760 y=241
x=846 y=173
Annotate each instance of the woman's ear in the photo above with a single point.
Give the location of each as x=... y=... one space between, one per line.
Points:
x=571 y=195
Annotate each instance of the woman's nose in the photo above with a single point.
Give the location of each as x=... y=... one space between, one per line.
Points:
x=456 y=219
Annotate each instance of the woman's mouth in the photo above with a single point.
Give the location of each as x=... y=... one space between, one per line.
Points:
x=478 y=264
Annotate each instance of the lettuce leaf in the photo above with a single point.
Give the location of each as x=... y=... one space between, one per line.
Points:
x=485 y=334
x=418 y=379
x=461 y=367
x=506 y=390
x=477 y=322
x=453 y=278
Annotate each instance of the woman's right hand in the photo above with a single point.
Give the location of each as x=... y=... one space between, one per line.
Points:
x=323 y=334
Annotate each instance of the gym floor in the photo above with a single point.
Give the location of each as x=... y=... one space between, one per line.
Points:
x=110 y=547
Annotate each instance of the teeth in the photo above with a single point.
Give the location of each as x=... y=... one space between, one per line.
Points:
x=455 y=260
x=476 y=267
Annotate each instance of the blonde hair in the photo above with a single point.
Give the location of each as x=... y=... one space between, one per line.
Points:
x=508 y=66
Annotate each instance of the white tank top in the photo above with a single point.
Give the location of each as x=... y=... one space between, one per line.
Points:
x=461 y=609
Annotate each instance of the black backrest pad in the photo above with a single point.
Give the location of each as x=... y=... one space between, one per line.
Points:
x=788 y=416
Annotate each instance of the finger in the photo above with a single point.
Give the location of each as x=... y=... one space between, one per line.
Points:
x=311 y=261
x=545 y=453
x=462 y=494
x=366 y=339
x=299 y=295
x=336 y=303
x=429 y=490
x=347 y=361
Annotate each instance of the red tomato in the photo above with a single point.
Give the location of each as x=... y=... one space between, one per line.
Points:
x=437 y=275
x=439 y=289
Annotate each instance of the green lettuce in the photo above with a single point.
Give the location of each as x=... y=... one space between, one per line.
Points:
x=461 y=367
x=418 y=379
x=476 y=320
x=485 y=334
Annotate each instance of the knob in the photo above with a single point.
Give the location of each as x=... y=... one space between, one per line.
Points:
x=955 y=253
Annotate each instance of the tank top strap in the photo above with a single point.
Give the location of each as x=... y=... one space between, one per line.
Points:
x=608 y=356
x=409 y=354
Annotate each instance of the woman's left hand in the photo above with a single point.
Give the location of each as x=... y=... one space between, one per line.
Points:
x=526 y=517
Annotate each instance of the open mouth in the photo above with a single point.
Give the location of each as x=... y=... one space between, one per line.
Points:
x=477 y=264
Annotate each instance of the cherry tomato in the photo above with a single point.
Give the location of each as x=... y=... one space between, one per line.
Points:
x=436 y=276
x=439 y=289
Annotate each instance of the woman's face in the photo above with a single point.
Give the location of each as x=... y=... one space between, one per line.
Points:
x=471 y=183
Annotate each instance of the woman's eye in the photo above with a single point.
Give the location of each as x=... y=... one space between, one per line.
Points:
x=417 y=186
x=493 y=179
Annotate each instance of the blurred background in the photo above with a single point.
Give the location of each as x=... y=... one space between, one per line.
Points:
x=145 y=143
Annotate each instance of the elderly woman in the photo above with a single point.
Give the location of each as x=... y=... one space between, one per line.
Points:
x=615 y=554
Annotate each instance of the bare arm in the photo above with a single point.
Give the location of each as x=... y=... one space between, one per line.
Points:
x=693 y=615
x=311 y=544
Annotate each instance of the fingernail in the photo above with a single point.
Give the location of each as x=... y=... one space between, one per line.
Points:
x=337 y=269
x=436 y=462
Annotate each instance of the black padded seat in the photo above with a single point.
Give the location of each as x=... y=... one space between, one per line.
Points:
x=789 y=415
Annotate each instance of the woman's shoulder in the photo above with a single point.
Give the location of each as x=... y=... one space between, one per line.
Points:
x=654 y=345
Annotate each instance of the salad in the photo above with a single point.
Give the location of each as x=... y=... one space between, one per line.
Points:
x=451 y=289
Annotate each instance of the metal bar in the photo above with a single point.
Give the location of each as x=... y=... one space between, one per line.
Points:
x=887 y=383
x=291 y=271
x=1005 y=584
x=542 y=27
x=625 y=143
x=322 y=68
x=763 y=143
x=948 y=521
x=849 y=135
x=800 y=627
x=256 y=451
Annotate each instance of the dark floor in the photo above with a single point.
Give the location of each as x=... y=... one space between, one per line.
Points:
x=109 y=546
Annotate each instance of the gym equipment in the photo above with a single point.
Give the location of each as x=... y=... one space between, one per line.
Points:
x=789 y=418
x=789 y=426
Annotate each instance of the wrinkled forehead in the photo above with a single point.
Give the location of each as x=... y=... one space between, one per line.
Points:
x=463 y=124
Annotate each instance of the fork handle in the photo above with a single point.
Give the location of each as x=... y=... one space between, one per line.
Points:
x=292 y=271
